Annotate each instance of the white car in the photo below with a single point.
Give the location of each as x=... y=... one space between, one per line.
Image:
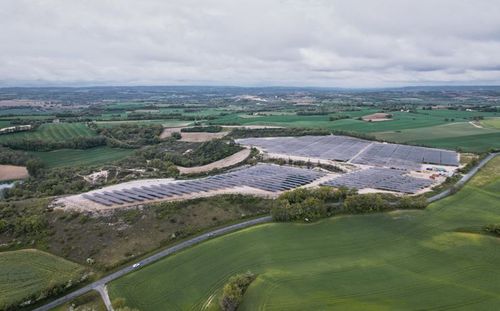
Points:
x=136 y=265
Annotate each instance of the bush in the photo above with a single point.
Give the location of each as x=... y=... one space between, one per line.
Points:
x=493 y=229
x=365 y=203
x=235 y=288
x=34 y=167
x=13 y=157
x=407 y=202
x=207 y=129
x=176 y=135
x=205 y=153
x=132 y=135
x=307 y=204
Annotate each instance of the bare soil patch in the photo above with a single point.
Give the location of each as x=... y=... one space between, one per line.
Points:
x=10 y=172
x=234 y=159
x=199 y=137
x=376 y=117
x=193 y=137
x=252 y=127
x=167 y=132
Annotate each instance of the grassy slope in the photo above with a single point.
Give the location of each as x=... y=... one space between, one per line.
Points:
x=27 y=272
x=52 y=132
x=393 y=261
x=76 y=157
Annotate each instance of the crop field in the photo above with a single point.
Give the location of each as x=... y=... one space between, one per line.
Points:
x=4 y=123
x=491 y=123
x=401 y=260
x=29 y=272
x=77 y=157
x=52 y=132
x=401 y=120
x=165 y=123
x=452 y=135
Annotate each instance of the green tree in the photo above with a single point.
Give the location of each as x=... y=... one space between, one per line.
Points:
x=233 y=291
x=34 y=167
x=176 y=135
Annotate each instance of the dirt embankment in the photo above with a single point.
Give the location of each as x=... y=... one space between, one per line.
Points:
x=234 y=159
x=199 y=137
x=193 y=137
x=377 y=117
x=11 y=172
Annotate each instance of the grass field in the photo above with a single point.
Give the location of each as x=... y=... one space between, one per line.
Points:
x=403 y=260
x=401 y=120
x=52 y=132
x=452 y=135
x=491 y=123
x=77 y=157
x=29 y=272
x=4 y=123
x=165 y=123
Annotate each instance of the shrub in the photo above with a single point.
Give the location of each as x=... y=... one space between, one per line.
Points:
x=232 y=294
x=34 y=167
x=176 y=135
x=407 y=202
x=207 y=129
x=363 y=203
x=306 y=204
x=493 y=229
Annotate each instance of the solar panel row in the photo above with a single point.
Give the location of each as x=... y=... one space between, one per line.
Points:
x=380 y=178
x=268 y=177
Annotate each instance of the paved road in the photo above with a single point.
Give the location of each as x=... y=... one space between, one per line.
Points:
x=99 y=285
x=164 y=253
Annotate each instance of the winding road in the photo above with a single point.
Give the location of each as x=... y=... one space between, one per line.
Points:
x=100 y=285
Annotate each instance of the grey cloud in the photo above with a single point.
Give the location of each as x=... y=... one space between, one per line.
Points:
x=352 y=43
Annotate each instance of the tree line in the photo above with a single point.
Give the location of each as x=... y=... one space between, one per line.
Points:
x=304 y=204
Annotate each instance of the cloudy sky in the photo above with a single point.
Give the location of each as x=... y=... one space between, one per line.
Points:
x=337 y=43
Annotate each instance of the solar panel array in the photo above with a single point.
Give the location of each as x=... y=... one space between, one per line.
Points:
x=382 y=179
x=343 y=148
x=268 y=177
x=331 y=147
x=404 y=157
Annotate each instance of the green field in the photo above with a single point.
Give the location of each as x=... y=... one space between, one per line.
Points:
x=29 y=272
x=165 y=123
x=491 y=123
x=51 y=132
x=77 y=157
x=418 y=260
x=401 y=120
x=4 y=123
x=452 y=135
